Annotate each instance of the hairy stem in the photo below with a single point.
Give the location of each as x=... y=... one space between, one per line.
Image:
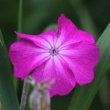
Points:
x=40 y=98
x=24 y=94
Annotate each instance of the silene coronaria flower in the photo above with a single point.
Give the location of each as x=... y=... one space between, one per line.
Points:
x=68 y=56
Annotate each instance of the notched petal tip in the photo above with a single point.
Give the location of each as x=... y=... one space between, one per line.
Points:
x=21 y=35
x=62 y=16
x=64 y=21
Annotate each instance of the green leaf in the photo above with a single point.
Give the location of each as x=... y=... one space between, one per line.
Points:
x=83 y=96
x=8 y=98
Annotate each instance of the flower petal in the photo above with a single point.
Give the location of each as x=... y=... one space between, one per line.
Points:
x=43 y=72
x=65 y=80
x=82 y=59
x=44 y=40
x=68 y=33
x=25 y=56
x=55 y=69
x=66 y=30
x=79 y=36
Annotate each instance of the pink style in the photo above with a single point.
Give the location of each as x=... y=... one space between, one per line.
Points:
x=67 y=56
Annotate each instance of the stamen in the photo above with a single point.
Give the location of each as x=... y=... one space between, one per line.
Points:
x=53 y=51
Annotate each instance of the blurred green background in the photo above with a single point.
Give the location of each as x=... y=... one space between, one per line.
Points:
x=89 y=15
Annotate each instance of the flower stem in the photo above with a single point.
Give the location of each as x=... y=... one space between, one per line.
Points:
x=26 y=84
x=19 y=29
x=20 y=15
x=40 y=97
x=24 y=94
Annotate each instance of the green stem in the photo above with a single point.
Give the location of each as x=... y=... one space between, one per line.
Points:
x=20 y=15
x=19 y=29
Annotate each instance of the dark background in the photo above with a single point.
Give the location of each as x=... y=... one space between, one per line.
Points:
x=89 y=15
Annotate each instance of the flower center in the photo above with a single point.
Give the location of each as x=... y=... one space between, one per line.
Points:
x=53 y=51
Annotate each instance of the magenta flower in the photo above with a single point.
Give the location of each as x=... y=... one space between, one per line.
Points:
x=68 y=56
